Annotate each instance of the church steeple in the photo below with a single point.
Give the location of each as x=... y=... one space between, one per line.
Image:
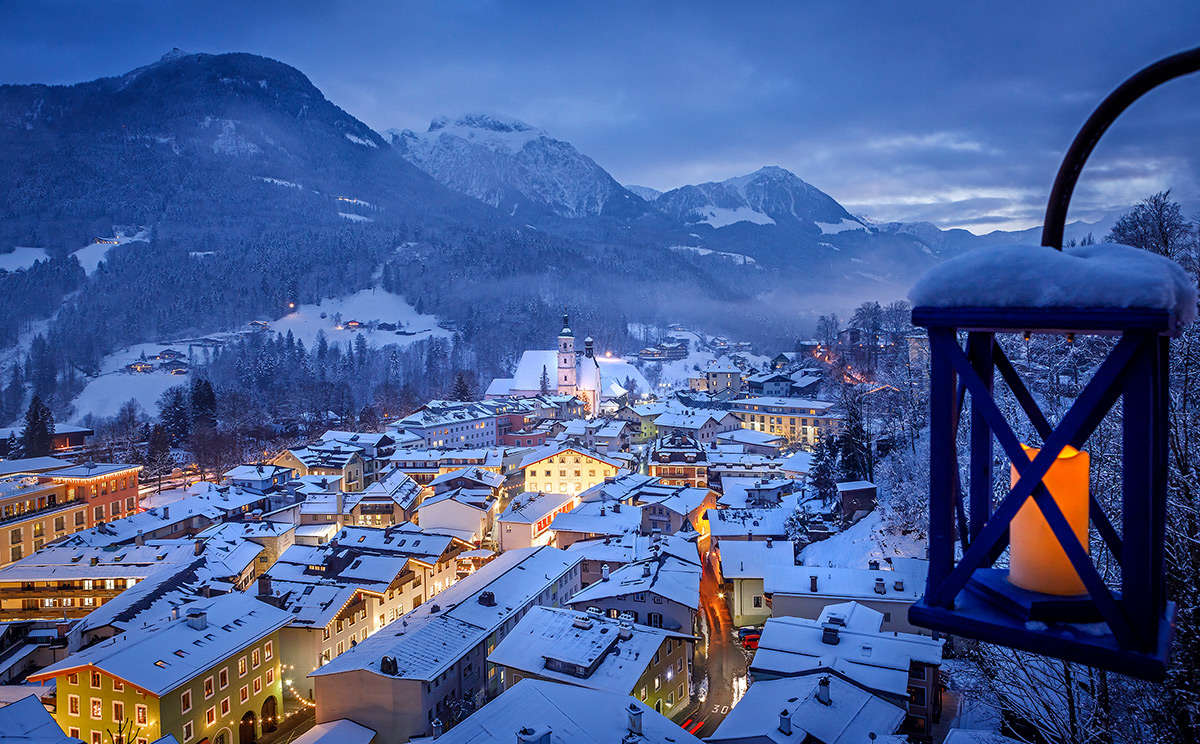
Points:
x=566 y=329
x=567 y=373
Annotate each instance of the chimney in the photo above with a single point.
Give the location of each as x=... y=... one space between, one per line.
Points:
x=812 y=583
x=388 y=665
x=770 y=542
x=264 y=586
x=140 y=539
x=487 y=599
x=604 y=572
x=602 y=511
x=625 y=630
x=197 y=619
x=880 y=587
x=198 y=547
x=829 y=634
x=167 y=511
x=95 y=561
x=785 y=722
x=873 y=565
x=898 y=585
x=616 y=507
x=823 y=692
x=534 y=736
x=645 y=570
x=635 y=719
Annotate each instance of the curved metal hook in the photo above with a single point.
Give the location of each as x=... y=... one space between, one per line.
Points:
x=1110 y=108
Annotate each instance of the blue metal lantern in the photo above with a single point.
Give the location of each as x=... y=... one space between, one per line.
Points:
x=1125 y=627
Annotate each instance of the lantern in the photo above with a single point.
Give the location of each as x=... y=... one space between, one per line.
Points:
x=1051 y=599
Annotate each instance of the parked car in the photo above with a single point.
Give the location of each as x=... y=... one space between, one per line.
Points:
x=750 y=641
x=749 y=630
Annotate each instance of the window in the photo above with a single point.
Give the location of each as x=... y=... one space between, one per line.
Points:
x=187 y=731
x=140 y=715
x=242 y=666
x=270 y=675
x=185 y=701
x=244 y=693
x=916 y=696
x=758 y=600
x=255 y=659
x=73 y=705
x=97 y=709
x=118 y=711
x=95 y=680
x=208 y=687
x=223 y=678
x=224 y=706
x=73 y=679
x=210 y=716
x=269 y=647
x=257 y=685
x=96 y=737
x=118 y=686
x=73 y=732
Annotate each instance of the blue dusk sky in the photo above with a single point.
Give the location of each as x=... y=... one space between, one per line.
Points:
x=952 y=112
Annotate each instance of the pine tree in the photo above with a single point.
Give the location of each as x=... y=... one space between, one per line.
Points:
x=462 y=388
x=854 y=446
x=824 y=469
x=544 y=383
x=174 y=413
x=202 y=403
x=37 y=437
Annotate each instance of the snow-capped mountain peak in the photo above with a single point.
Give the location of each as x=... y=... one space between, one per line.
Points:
x=513 y=166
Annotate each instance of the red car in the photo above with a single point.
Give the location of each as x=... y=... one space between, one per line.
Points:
x=750 y=640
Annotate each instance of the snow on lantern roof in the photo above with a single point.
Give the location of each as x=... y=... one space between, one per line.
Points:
x=1104 y=275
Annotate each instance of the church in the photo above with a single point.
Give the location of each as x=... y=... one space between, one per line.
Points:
x=591 y=378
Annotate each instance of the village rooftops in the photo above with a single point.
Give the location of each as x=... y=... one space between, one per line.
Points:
x=619 y=488
x=796 y=406
x=404 y=538
x=435 y=635
x=486 y=478
x=165 y=654
x=543 y=453
x=528 y=508
x=256 y=472
x=666 y=576
x=28 y=722
x=848 y=714
x=482 y=499
x=906 y=584
x=76 y=563
x=766 y=521
x=845 y=639
x=634 y=547
x=581 y=648
x=566 y=714
x=89 y=470
x=155 y=597
x=755 y=559
x=751 y=437
x=599 y=518
x=32 y=465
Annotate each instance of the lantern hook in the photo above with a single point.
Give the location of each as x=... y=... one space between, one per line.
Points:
x=1110 y=108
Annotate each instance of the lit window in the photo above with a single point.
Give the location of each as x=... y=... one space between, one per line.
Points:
x=185 y=701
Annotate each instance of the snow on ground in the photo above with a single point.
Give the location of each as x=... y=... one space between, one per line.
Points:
x=832 y=228
x=22 y=257
x=278 y=182
x=862 y=542
x=90 y=256
x=738 y=258
x=368 y=307
x=722 y=216
x=355 y=217
x=105 y=394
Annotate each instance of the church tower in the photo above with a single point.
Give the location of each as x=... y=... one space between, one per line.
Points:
x=566 y=359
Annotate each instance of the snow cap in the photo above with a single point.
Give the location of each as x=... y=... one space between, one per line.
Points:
x=1103 y=275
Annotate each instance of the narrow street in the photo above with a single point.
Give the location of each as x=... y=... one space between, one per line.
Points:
x=726 y=663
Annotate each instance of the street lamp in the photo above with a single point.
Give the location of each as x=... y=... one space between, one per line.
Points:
x=1051 y=599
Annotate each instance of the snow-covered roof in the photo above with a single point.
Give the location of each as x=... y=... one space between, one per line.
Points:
x=538 y=454
x=857 y=485
x=28 y=722
x=77 y=562
x=528 y=375
x=547 y=635
x=256 y=472
x=434 y=635
x=91 y=470
x=851 y=717
x=488 y=478
x=599 y=518
x=849 y=583
x=32 y=465
x=633 y=547
x=499 y=386
x=528 y=508
x=755 y=559
x=750 y=436
x=766 y=521
x=570 y=714
x=800 y=406
x=798 y=462
x=166 y=654
x=666 y=576
x=878 y=660
x=1102 y=275
x=341 y=731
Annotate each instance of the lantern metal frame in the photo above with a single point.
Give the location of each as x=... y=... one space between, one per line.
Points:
x=1127 y=630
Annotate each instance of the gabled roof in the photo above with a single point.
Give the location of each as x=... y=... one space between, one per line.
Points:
x=668 y=577
x=166 y=654
x=528 y=508
x=542 y=453
x=487 y=478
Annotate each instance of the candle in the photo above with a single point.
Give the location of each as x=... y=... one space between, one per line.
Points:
x=1037 y=561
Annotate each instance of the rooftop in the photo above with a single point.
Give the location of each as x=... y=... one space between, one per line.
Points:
x=667 y=576
x=528 y=508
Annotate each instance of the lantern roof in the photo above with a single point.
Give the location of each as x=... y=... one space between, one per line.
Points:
x=1034 y=280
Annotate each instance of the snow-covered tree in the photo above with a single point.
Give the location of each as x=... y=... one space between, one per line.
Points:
x=37 y=435
x=544 y=383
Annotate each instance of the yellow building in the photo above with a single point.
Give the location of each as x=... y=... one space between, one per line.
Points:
x=799 y=420
x=332 y=459
x=211 y=674
x=566 y=470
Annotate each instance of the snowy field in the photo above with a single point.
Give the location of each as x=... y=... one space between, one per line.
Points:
x=90 y=256
x=22 y=258
x=104 y=395
x=368 y=306
x=869 y=539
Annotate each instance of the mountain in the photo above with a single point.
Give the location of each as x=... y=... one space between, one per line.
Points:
x=768 y=196
x=514 y=167
x=647 y=193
